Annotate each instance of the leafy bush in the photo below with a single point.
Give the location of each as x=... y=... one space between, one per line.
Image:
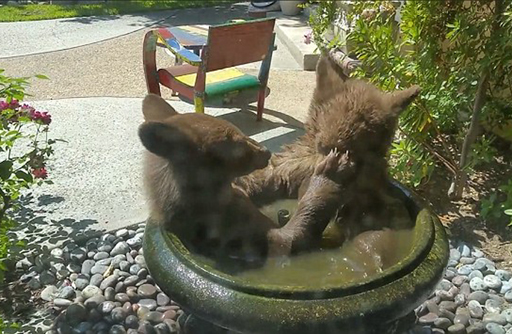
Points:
x=24 y=151
x=459 y=52
x=499 y=204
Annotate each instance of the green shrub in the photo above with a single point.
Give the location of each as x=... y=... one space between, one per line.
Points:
x=459 y=52
x=24 y=151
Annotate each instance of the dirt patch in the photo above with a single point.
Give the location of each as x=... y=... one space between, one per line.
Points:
x=462 y=218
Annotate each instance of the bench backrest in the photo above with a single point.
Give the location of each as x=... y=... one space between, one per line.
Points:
x=238 y=43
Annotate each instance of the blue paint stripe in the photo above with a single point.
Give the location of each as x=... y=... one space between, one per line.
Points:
x=188 y=36
x=178 y=48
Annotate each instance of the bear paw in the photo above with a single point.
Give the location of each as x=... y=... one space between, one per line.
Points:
x=335 y=166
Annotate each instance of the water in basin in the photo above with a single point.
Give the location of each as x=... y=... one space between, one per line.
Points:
x=366 y=255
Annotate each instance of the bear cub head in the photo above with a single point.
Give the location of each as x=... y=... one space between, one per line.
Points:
x=190 y=141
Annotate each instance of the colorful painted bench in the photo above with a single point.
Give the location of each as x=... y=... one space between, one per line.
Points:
x=206 y=58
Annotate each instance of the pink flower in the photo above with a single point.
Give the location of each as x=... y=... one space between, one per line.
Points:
x=3 y=105
x=307 y=37
x=40 y=173
x=14 y=104
x=42 y=116
x=25 y=108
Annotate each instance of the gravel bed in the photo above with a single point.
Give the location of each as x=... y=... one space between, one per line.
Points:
x=103 y=286
x=473 y=298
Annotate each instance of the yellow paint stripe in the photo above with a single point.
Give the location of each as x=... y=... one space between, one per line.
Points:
x=194 y=30
x=211 y=77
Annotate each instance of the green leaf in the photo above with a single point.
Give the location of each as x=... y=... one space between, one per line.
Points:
x=24 y=176
x=42 y=76
x=5 y=169
x=508 y=212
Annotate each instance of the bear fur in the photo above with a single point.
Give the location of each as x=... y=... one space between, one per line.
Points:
x=347 y=115
x=190 y=165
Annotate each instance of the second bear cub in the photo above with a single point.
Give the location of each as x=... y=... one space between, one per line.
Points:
x=190 y=165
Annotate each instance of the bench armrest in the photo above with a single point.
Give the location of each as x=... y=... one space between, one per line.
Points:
x=167 y=40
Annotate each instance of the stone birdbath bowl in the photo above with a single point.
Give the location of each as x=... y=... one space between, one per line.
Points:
x=381 y=303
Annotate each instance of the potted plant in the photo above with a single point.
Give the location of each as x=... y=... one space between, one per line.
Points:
x=291 y=7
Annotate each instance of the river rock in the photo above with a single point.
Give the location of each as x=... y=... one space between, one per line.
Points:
x=98 y=269
x=465 y=269
x=78 y=255
x=503 y=275
x=131 y=321
x=61 y=302
x=34 y=283
x=494 y=328
x=67 y=292
x=121 y=233
x=76 y=313
x=494 y=317
x=476 y=328
x=94 y=301
x=493 y=306
x=109 y=281
x=121 y=297
x=106 y=307
x=461 y=319
x=134 y=242
x=477 y=284
x=109 y=293
x=479 y=296
x=118 y=315
x=162 y=299
x=475 y=309
x=428 y=319
x=134 y=269
x=96 y=279
x=90 y=290
x=448 y=305
x=116 y=260
x=146 y=291
x=131 y=280
x=493 y=282
x=475 y=273
x=153 y=317
x=507 y=314
x=457 y=329
x=454 y=255
x=121 y=248
x=148 y=303
x=47 y=277
x=467 y=260
x=162 y=329
x=49 y=293
x=117 y=329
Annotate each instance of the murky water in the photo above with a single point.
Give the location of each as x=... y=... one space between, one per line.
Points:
x=369 y=253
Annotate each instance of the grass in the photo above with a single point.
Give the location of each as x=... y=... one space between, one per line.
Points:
x=112 y=7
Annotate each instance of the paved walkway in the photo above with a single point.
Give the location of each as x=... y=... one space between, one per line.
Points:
x=94 y=96
x=26 y=38
x=97 y=173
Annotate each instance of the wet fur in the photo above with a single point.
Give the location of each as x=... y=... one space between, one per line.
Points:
x=189 y=168
x=350 y=115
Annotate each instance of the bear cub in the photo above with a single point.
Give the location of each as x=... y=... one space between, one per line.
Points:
x=190 y=165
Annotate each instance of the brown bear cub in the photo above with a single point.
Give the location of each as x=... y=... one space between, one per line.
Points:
x=347 y=115
x=190 y=165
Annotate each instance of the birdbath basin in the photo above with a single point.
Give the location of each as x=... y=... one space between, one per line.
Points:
x=377 y=303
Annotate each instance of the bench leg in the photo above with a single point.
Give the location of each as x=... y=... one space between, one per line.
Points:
x=199 y=104
x=261 y=103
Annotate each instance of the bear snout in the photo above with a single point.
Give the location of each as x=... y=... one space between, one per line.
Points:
x=262 y=158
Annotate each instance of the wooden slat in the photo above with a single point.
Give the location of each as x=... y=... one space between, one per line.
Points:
x=239 y=43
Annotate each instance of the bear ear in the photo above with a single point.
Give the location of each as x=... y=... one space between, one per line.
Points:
x=164 y=139
x=156 y=108
x=398 y=101
x=329 y=76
